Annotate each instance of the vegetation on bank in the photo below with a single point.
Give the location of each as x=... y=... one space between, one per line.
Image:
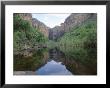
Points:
x=84 y=36
x=30 y=63
x=25 y=35
x=81 y=44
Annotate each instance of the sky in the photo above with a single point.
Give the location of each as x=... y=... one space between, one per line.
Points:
x=51 y=20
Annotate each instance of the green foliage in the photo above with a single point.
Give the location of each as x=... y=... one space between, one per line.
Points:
x=20 y=24
x=51 y=44
x=26 y=36
x=29 y=63
x=81 y=44
x=19 y=40
x=83 y=36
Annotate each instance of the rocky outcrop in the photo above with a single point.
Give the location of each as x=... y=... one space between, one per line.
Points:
x=40 y=26
x=34 y=22
x=25 y=16
x=74 y=20
x=56 y=32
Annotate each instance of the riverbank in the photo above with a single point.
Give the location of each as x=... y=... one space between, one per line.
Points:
x=24 y=73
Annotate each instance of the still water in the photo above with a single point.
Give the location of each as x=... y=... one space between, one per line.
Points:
x=53 y=68
x=55 y=62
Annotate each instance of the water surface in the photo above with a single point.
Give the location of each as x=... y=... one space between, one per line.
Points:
x=55 y=62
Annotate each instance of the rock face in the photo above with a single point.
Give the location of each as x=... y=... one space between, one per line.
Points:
x=74 y=20
x=56 y=32
x=40 y=26
x=34 y=22
x=25 y=16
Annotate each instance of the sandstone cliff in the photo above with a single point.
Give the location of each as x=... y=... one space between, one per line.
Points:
x=74 y=20
x=40 y=26
x=34 y=22
x=25 y=16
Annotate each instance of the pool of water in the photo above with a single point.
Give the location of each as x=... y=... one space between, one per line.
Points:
x=56 y=62
x=53 y=68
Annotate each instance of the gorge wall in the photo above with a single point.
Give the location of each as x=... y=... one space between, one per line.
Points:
x=35 y=23
x=74 y=20
x=40 y=26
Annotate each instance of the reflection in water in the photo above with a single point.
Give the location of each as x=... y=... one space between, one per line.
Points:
x=53 y=68
x=55 y=62
x=30 y=63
